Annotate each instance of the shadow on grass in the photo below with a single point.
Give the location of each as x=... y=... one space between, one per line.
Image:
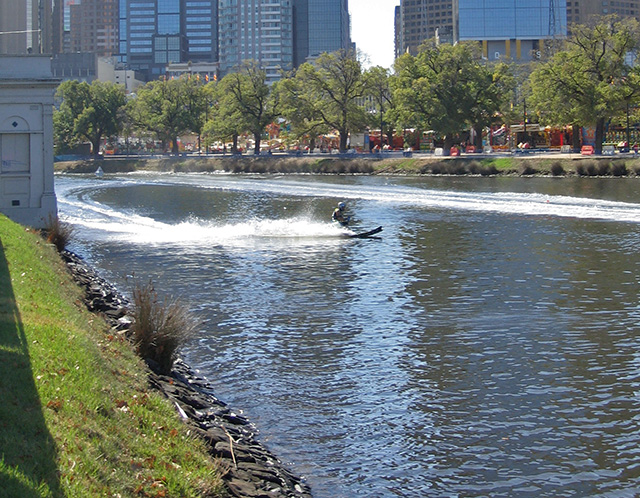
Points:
x=28 y=466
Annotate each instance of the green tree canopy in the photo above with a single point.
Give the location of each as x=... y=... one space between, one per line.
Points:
x=88 y=112
x=593 y=79
x=328 y=92
x=245 y=97
x=168 y=109
x=381 y=95
x=448 y=88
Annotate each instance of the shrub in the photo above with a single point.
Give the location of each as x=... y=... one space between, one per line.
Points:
x=526 y=169
x=488 y=170
x=58 y=232
x=474 y=167
x=619 y=168
x=557 y=169
x=604 y=168
x=160 y=329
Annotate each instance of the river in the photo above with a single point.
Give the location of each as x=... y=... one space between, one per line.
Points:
x=486 y=344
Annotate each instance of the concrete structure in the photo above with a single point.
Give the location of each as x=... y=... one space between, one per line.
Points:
x=203 y=71
x=26 y=139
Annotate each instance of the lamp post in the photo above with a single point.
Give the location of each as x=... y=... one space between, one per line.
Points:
x=628 y=131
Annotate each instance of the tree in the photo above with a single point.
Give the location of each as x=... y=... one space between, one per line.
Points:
x=167 y=109
x=329 y=91
x=380 y=92
x=448 y=88
x=88 y=112
x=225 y=120
x=299 y=111
x=592 y=80
x=245 y=95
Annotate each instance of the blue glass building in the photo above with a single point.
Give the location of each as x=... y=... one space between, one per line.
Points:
x=511 y=28
x=320 y=26
x=155 y=33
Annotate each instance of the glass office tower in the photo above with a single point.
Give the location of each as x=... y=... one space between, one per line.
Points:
x=320 y=26
x=257 y=30
x=201 y=29
x=513 y=29
x=328 y=26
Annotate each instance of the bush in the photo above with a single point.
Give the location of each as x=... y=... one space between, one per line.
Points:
x=604 y=168
x=557 y=169
x=160 y=329
x=619 y=168
x=526 y=169
x=58 y=232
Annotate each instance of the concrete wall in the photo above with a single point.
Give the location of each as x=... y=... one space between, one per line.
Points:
x=27 y=87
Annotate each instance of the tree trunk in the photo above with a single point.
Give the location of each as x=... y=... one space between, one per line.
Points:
x=343 y=141
x=599 y=135
x=256 y=148
x=390 y=138
x=448 y=143
x=575 y=139
x=174 y=146
x=234 y=144
x=477 y=141
x=95 y=147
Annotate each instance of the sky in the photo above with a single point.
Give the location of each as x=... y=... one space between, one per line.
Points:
x=372 y=29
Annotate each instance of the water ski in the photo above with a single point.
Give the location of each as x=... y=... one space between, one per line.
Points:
x=364 y=235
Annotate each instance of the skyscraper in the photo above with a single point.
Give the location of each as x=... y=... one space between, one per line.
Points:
x=93 y=26
x=257 y=30
x=580 y=11
x=320 y=26
x=201 y=28
x=420 y=20
x=511 y=29
x=25 y=26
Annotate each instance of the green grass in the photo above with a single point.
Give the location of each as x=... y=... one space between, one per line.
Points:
x=76 y=417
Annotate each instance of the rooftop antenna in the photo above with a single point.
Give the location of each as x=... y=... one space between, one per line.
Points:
x=552 y=19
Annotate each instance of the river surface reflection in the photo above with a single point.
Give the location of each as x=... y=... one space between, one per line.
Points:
x=486 y=345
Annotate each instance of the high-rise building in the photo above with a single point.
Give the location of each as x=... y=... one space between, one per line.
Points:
x=155 y=33
x=257 y=30
x=513 y=29
x=26 y=26
x=201 y=29
x=421 y=20
x=397 y=28
x=580 y=11
x=320 y=26
x=93 y=26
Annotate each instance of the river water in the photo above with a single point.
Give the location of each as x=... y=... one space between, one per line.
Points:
x=487 y=344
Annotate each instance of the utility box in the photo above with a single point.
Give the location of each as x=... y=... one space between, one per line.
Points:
x=27 y=88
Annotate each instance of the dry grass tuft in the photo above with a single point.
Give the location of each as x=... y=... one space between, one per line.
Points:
x=160 y=328
x=58 y=232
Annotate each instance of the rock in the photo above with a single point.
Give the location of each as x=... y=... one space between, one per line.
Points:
x=253 y=471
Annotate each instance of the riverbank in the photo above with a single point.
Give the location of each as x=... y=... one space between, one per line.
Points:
x=100 y=423
x=554 y=164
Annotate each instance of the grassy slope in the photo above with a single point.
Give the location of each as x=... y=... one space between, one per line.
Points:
x=76 y=416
